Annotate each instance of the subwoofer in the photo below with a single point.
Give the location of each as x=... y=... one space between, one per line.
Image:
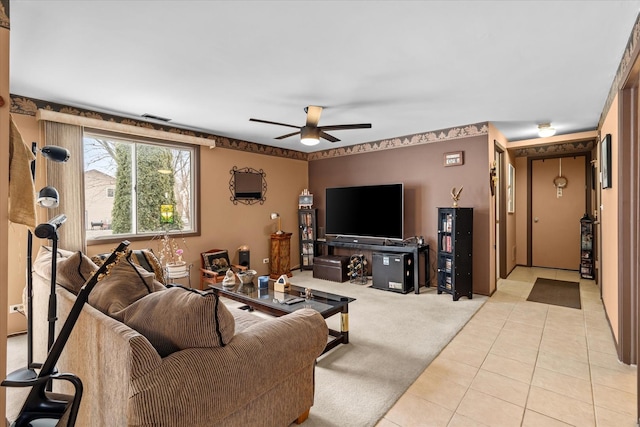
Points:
x=244 y=258
x=392 y=272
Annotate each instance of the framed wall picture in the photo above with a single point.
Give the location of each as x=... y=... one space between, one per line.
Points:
x=605 y=161
x=511 y=189
x=454 y=158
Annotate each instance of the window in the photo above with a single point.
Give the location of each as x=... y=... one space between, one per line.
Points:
x=149 y=187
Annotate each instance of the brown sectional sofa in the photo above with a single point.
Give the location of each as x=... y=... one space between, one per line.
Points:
x=264 y=376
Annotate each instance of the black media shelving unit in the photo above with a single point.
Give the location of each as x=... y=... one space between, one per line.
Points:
x=455 y=241
x=586 y=247
x=307 y=237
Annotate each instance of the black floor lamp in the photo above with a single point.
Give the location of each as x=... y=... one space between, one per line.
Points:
x=49 y=198
x=49 y=230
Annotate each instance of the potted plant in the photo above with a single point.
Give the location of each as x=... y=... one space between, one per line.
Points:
x=170 y=254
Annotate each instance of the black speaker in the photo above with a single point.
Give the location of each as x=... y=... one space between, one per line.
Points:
x=392 y=272
x=244 y=258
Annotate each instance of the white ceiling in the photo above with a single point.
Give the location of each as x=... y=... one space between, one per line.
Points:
x=404 y=66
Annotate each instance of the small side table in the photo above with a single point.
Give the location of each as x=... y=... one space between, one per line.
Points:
x=171 y=278
x=280 y=255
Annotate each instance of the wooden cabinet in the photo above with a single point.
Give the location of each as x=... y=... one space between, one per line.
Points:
x=280 y=255
x=586 y=247
x=307 y=237
x=455 y=233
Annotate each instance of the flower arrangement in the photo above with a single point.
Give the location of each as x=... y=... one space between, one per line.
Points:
x=169 y=251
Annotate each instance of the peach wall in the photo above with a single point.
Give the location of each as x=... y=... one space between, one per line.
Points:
x=609 y=224
x=228 y=226
x=223 y=224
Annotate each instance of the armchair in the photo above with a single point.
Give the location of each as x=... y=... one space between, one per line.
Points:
x=215 y=263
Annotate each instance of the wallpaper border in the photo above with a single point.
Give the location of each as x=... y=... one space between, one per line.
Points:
x=560 y=148
x=29 y=106
x=447 y=134
x=623 y=69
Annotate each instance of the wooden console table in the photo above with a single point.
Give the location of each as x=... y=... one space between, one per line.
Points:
x=280 y=255
x=415 y=250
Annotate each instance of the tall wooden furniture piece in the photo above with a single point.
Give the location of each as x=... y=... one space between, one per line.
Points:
x=586 y=247
x=280 y=255
x=307 y=237
x=455 y=242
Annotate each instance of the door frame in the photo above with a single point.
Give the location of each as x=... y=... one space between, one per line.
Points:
x=500 y=206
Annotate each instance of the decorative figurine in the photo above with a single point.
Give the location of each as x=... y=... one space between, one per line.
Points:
x=229 y=278
x=455 y=195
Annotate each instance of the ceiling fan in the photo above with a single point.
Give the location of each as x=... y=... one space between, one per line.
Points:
x=311 y=133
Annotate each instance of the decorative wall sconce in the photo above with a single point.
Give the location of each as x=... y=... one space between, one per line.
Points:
x=493 y=178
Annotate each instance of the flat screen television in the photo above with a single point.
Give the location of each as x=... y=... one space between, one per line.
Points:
x=365 y=211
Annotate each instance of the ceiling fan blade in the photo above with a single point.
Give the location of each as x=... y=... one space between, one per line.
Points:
x=273 y=123
x=313 y=115
x=287 y=135
x=343 y=127
x=327 y=136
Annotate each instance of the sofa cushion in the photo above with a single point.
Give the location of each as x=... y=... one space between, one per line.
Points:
x=124 y=284
x=180 y=318
x=74 y=271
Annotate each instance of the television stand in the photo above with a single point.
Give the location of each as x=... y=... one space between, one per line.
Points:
x=414 y=249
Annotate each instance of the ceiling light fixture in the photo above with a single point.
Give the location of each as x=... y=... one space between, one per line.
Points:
x=545 y=130
x=309 y=135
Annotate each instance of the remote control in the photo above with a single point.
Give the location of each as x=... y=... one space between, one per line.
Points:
x=294 y=301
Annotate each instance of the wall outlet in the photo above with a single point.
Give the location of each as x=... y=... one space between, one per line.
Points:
x=265 y=261
x=16 y=308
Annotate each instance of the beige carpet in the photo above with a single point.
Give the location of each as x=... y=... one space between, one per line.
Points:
x=393 y=338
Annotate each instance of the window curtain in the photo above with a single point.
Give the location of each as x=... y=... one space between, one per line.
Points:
x=68 y=179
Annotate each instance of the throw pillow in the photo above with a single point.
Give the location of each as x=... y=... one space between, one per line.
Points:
x=73 y=272
x=146 y=259
x=124 y=284
x=42 y=263
x=180 y=318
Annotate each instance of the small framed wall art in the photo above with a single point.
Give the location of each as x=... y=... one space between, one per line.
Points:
x=454 y=158
x=605 y=161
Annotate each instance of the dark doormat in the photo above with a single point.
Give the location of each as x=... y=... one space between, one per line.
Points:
x=556 y=292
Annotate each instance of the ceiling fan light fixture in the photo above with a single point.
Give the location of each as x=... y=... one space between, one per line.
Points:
x=309 y=136
x=545 y=130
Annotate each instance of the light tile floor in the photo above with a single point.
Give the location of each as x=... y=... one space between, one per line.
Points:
x=520 y=363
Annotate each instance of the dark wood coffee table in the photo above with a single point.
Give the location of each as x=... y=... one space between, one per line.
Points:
x=270 y=301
